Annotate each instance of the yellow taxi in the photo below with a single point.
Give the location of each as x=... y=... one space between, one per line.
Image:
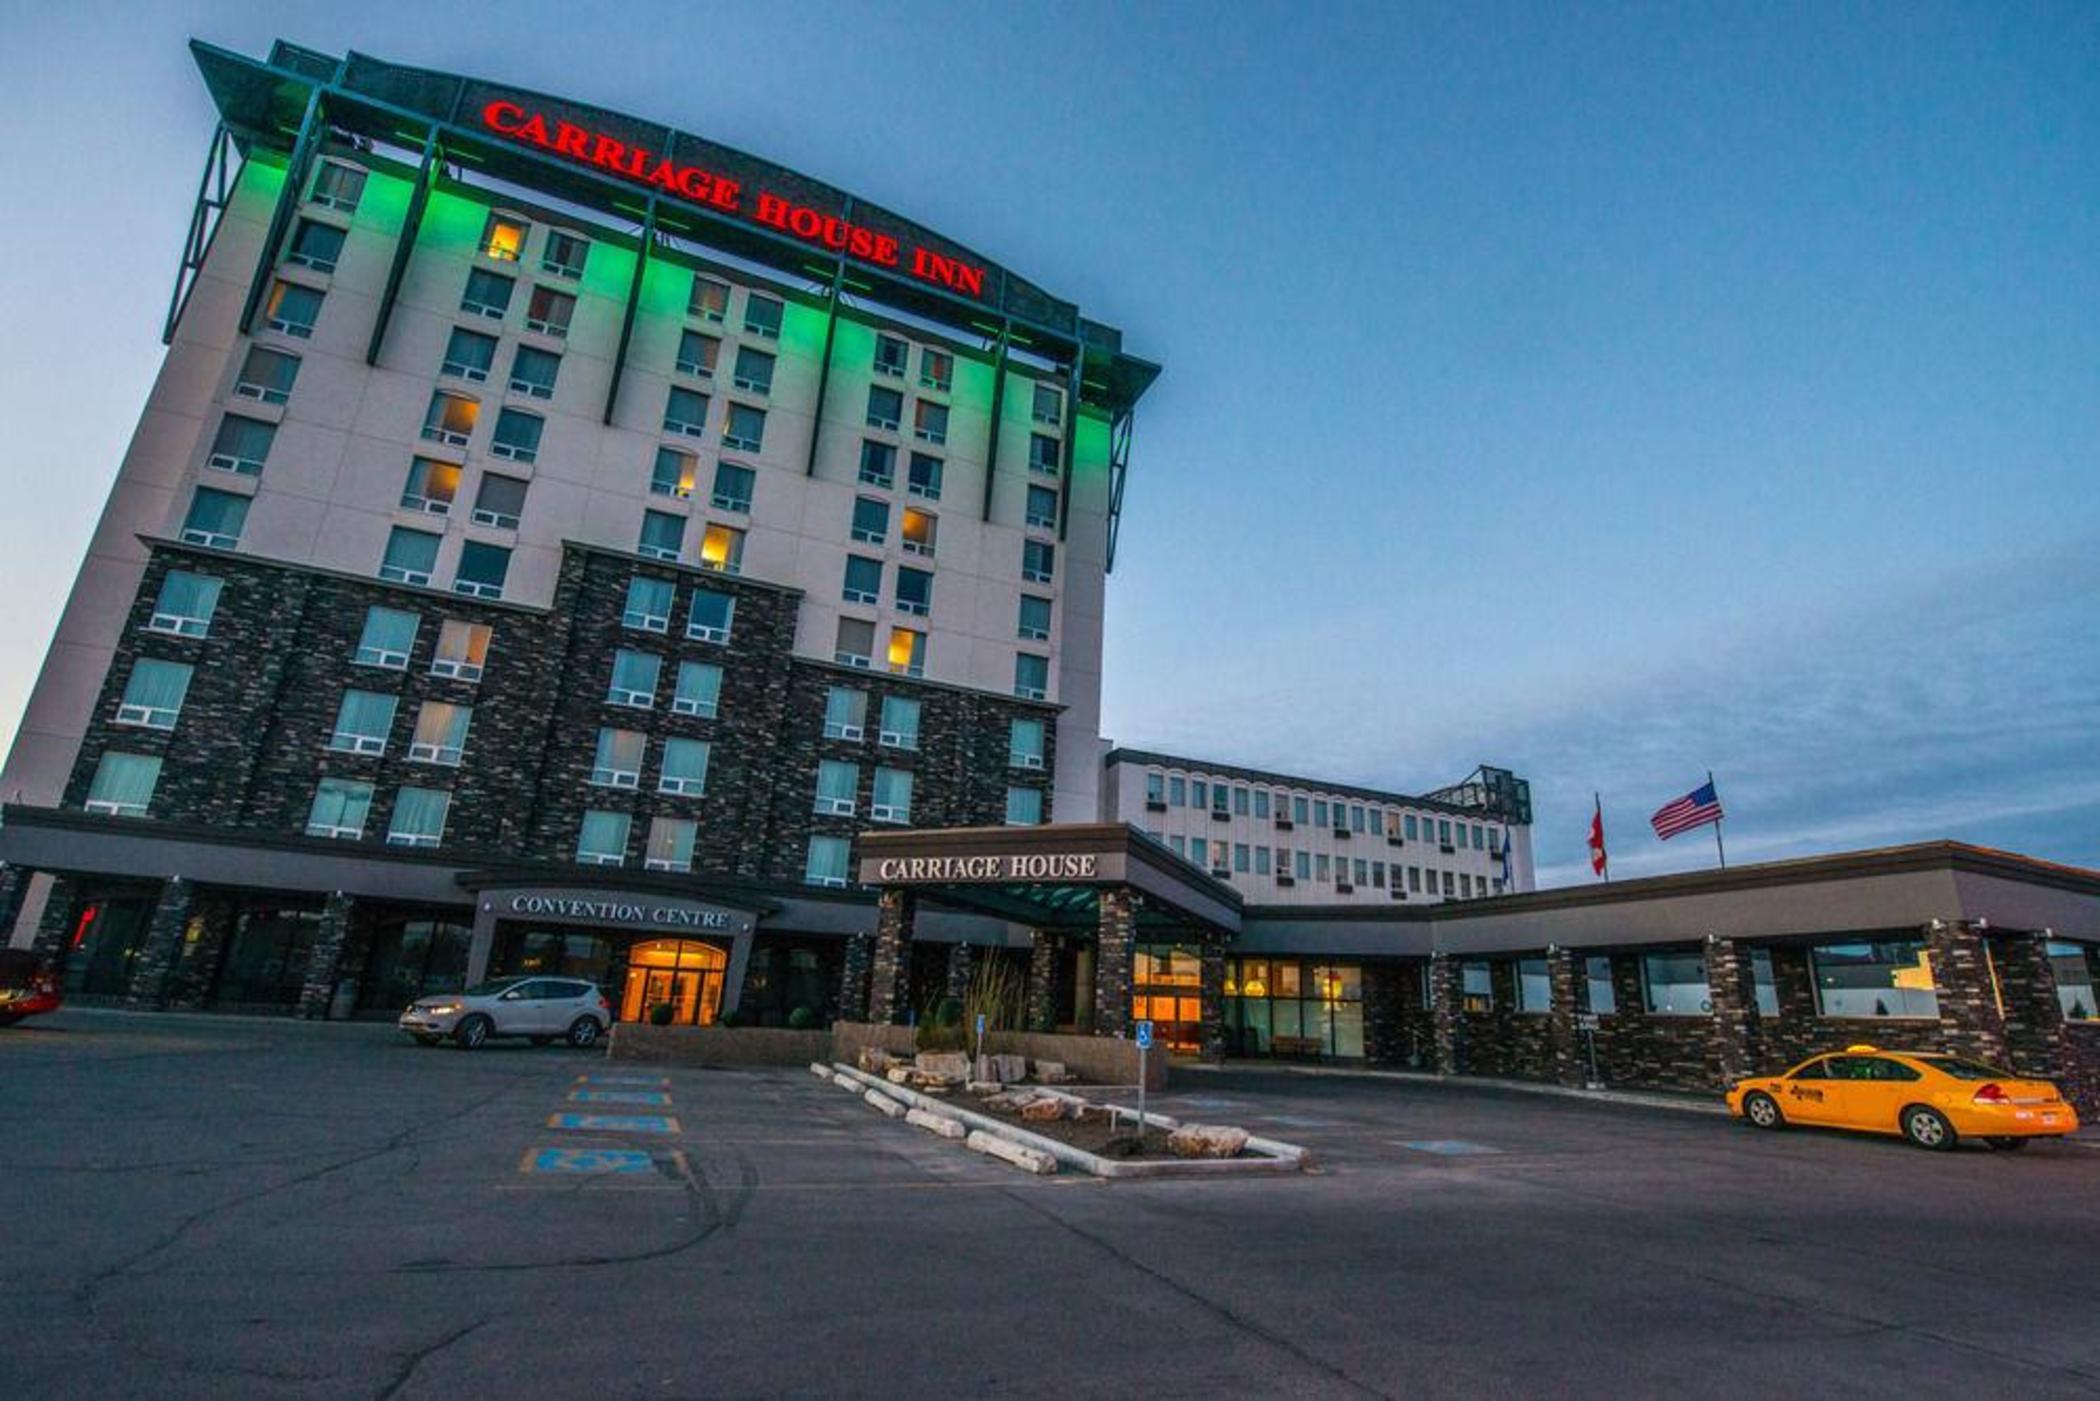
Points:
x=1933 y=1100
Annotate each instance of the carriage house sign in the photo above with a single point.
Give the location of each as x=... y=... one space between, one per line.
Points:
x=1002 y=869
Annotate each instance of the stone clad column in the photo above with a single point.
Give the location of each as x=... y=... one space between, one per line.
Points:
x=1213 y=1000
x=1564 y=978
x=1114 y=954
x=14 y=889
x=853 y=978
x=161 y=949
x=890 y=968
x=1447 y=995
x=1734 y=1009
x=325 y=966
x=2034 y=1013
x=54 y=929
x=1961 y=977
x=1042 y=981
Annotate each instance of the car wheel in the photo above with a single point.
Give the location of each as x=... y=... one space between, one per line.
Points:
x=583 y=1032
x=1763 y=1110
x=1928 y=1128
x=471 y=1032
x=2007 y=1143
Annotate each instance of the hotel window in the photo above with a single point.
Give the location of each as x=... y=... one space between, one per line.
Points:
x=827 y=861
x=891 y=355
x=1155 y=790
x=441 y=732
x=1261 y=802
x=837 y=782
x=1476 y=985
x=670 y=844
x=634 y=677
x=1411 y=825
x=1763 y=988
x=907 y=652
x=733 y=487
x=930 y=422
x=363 y=719
x=924 y=477
x=722 y=548
x=1302 y=860
x=1479 y=837
x=1319 y=812
x=709 y=300
x=1358 y=864
x=1038 y=558
x=1239 y=801
x=339 y=809
x=762 y=315
x=1220 y=797
x=1024 y=807
x=1042 y=454
x=292 y=310
x=549 y=312
x=1675 y=984
x=241 y=445
x=316 y=245
x=1199 y=793
x=697 y=353
x=462 y=650
x=1322 y=867
x=410 y=556
x=871 y=520
x=617 y=761
x=914 y=591
x=892 y=800
x=1443 y=835
x=936 y=370
x=266 y=375
x=2074 y=980
x=699 y=691
x=713 y=614
x=419 y=817
x=488 y=294
x=754 y=370
x=532 y=372
x=123 y=784
x=503 y=237
x=601 y=838
x=685 y=412
x=1261 y=861
x=431 y=488
x=1378 y=875
x=517 y=435
x=663 y=535
x=674 y=474
x=1414 y=879
x=856 y=643
x=1300 y=809
x=1199 y=849
x=499 y=501
x=684 y=768
x=338 y=186
x=745 y=428
x=878 y=463
x=1178 y=844
x=153 y=693
x=1883 y=978
x=1042 y=507
x=1465 y=886
x=1032 y=677
x=450 y=418
x=1177 y=791
x=1240 y=858
x=186 y=604
x=1596 y=976
x=900 y=722
x=885 y=408
x=1049 y=404
x=1447 y=884
x=1034 y=623
x=1534 y=986
x=564 y=254
x=1356 y=817
x=1025 y=739
x=920 y=531
x=845 y=713
x=648 y=604
x=1377 y=822
x=863 y=580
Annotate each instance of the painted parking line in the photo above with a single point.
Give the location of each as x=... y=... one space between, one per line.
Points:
x=587 y=1160
x=642 y=1082
x=655 y=1097
x=1298 y=1121
x=614 y=1123
x=1449 y=1147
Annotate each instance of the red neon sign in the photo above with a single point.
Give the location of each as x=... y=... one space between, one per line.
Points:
x=705 y=187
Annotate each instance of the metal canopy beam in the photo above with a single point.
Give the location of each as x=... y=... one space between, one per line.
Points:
x=287 y=200
x=411 y=224
x=634 y=301
x=991 y=447
x=214 y=189
x=831 y=328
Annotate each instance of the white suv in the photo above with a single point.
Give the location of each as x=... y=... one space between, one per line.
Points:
x=540 y=1008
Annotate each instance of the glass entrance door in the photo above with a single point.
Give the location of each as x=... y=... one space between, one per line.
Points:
x=682 y=974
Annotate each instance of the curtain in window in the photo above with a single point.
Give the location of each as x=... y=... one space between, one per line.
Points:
x=420 y=812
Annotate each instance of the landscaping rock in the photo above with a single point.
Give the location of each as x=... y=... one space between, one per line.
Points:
x=898 y=1075
x=1052 y=1072
x=1206 y=1141
x=943 y=1067
x=983 y=1087
x=1044 y=1108
x=1011 y=1101
x=1005 y=1070
x=875 y=1060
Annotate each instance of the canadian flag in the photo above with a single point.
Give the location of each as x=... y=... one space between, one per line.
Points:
x=1597 y=859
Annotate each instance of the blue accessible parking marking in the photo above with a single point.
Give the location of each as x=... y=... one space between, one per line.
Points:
x=1450 y=1147
x=645 y=1082
x=586 y=1160
x=618 y=1097
x=615 y=1123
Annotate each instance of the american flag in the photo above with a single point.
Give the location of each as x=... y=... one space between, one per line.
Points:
x=1694 y=809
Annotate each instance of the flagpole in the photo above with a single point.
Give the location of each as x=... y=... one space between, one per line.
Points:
x=1719 y=850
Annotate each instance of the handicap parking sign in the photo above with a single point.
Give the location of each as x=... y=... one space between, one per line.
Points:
x=1144 y=1036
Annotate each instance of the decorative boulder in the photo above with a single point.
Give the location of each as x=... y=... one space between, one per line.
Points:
x=1052 y=1072
x=874 y=1059
x=1206 y=1141
x=898 y=1074
x=945 y=1067
x=1043 y=1109
x=1004 y=1069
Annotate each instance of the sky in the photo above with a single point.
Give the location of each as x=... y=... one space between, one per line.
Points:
x=1610 y=393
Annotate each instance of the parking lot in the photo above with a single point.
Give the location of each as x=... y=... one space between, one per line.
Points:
x=214 y=1206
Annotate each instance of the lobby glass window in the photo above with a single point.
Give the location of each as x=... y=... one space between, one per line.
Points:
x=1025 y=740
x=827 y=860
x=1880 y=978
x=482 y=569
x=698 y=353
x=699 y=690
x=469 y=355
x=267 y=375
x=746 y=428
x=564 y=254
x=1034 y=622
x=488 y=294
x=503 y=237
x=1049 y=404
x=617 y=761
x=601 y=838
x=885 y=408
x=532 y=372
x=363 y=720
x=936 y=370
x=550 y=312
x=1283 y=1006
x=670 y=846
x=878 y=463
x=684 y=768
x=1762 y=983
x=907 y=655
x=685 y=412
x=930 y=422
x=450 y=419
x=339 y=809
x=241 y=445
x=462 y=650
x=900 y=722
x=338 y=186
x=891 y=355
x=892 y=801
x=1042 y=454
x=863 y=580
x=186 y=604
x=1024 y=807
x=1534 y=986
x=762 y=315
x=924 y=477
x=1675 y=984
x=663 y=535
x=713 y=616
x=1476 y=987
x=292 y=310
x=856 y=643
x=754 y=370
x=517 y=435
x=1031 y=676
x=709 y=300
x=920 y=531
x=441 y=732
x=914 y=591
x=722 y=549
x=1042 y=507
x=1603 y=997
x=410 y=556
x=2073 y=965
x=431 y=488
x=674 y=473
x=871 y=520
x=648 y=606
x=123 y=784
x=837 y=782
x=845 y=713
x=733 y=485
x=634 y=677
x=1038 y=560
x=414 y=958
x=153 y=693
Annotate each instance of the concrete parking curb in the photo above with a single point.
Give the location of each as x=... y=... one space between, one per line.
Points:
x=1027 y=1159
x=942 y=1124
x=894 y=1108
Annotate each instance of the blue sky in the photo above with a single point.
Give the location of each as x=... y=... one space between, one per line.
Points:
x=1610 y=393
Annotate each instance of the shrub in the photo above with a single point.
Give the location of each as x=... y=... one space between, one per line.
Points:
x=731 y=1018
x=941 y=1027
x=802 y=1017
x=660 y=1014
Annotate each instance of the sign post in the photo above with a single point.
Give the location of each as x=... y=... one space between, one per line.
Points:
x=1586 y=1023
x=1144 y=1045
